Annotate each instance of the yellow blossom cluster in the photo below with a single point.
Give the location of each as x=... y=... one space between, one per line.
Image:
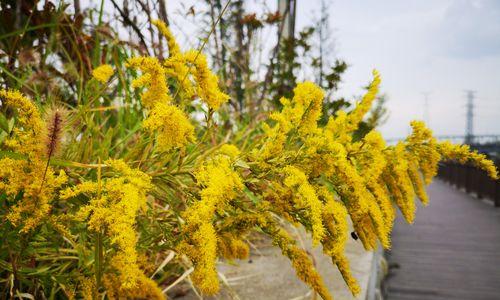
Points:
x=207 y=82
x=301 y=262
x=171 y=125
x=173 y=47
x=307 y=198
x=463 y=154
x=27 y=137
x=114 y=205
x=103 y=73
x=335 y=221
x=330 y=179
x=220 y=184
x=318 y=176
x=189 y=69
x=28 y=179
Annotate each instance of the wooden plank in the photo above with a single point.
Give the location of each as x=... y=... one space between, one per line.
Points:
x=451 y=252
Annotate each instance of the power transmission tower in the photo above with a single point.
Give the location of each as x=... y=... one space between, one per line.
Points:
x=426 y=108
x=469 y=126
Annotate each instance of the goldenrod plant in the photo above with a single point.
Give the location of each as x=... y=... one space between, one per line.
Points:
x=148 y=188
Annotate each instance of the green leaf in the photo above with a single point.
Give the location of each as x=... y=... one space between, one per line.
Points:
x=240 y=163
x=4 y=124
x=10 y=154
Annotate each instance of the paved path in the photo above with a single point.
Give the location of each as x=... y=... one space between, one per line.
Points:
x=269 y=276
x=451 y=252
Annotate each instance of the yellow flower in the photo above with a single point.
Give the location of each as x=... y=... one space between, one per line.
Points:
x=303 y=111
x=418 y=182
x=295 y=178
x=103 y=73
x=230 y=150
x=307 y=100
x=171 y=125
x=146 y=289
x=173 y=47
x=232 y=247
x=153 y=78
x=335 y=220
x=27 y=136
x=30 y=177
x=207 y=82
x=399 y=182
x=175 y=67
x=113 y=208
x=423 y=147
x=463 y=154
x=342 y=125
x=220 y=184
x=301 y=262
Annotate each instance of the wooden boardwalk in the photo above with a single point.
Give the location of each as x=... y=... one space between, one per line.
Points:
x=451 y=252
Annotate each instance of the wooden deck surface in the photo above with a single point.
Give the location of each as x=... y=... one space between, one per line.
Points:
x=451 y=252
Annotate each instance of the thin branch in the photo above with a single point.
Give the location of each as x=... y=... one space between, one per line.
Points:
x=129 y=22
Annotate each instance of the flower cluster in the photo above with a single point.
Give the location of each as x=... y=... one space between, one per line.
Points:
x=204 y=201
x=220 y=184
x=170 y=124
x=316 y=176
x=103 y=73
x=188 y=69
x=113 y=206
x=28 y=179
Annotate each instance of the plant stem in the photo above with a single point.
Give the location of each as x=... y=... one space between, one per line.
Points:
x=99 y=253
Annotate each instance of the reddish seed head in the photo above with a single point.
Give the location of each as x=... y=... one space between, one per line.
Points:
x=55 y=119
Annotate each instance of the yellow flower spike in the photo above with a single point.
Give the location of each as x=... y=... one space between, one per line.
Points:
x=103 y=73
x=230 y=150
x=335 y=220
x=171 y=125
x=379 y=224
x=220 y=184
x=27 y=137
x=400 y=177
x=381 y=195
x=463 y=154
x=153 y=79
x=295 y=178
x=309 y=97
x=343 y=124
x=122 y=198
x=146 y=289
x=371 y=161
x=31 y=176
x=399 y=198
x=176 y=67
x=207 y=82
x=173 y=47
x=301 y=262
x=424 y=148
x=231 y=247
x=418 y=183
x=302 y=111
x=356 y=116
x=205 y=273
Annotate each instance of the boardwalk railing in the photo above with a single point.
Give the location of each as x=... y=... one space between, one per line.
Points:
x=472 y=180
